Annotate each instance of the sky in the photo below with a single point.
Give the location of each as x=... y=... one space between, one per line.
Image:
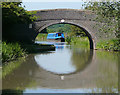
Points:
x=53 y=0
x=37 y=5
x=55 y=4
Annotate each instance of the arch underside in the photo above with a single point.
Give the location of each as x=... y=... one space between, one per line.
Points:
x=84 y=28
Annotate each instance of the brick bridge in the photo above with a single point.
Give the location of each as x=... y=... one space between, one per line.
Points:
x=81 y=18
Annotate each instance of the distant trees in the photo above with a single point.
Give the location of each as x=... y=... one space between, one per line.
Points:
x=59 y=28
x=71 y=30
x=77 y=31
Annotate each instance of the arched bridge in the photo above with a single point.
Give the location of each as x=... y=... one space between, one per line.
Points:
x=81 y=18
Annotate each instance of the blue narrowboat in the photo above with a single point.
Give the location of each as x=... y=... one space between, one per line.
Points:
x=56 y=36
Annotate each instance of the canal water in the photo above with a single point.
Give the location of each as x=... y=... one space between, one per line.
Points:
x=68 y=69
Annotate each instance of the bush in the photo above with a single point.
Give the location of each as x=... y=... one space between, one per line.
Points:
x=112 y=44
x=68 y=40
x=11 y=51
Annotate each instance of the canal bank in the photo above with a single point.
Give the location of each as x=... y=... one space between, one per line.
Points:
x=36 y=48
x=13 y=50
x=13 y=54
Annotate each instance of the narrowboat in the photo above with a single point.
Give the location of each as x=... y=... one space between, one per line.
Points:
x=56 y=37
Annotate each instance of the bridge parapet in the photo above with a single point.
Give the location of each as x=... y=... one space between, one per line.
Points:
x=67 y=14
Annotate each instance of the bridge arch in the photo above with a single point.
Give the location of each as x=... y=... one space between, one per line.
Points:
x=90 y=35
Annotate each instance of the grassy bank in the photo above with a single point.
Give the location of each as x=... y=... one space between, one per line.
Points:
x=11 y=51
x=13 y=54
x=41 y=37
x=112 y=45
x=78 y=41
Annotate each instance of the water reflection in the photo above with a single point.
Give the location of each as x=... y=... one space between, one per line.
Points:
x=22 y=76
x=59 y=47
x=81 y=58
x=65 y=62
x=87 y=72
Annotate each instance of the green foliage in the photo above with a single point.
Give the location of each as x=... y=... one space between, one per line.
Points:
x=78 y=41
x=112 y=44
x=107 y=12
x=68 y=39
x=66 y=28
x=13 y=12
x=11 y=51
x=77 y=31
x=41 y=37
x=59 y=28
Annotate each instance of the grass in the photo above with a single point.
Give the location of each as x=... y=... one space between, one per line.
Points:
x=41 y=37
x=112 y=44
x=11 y=51
x=78 y=41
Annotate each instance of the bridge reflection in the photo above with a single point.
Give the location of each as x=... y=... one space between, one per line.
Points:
x=87 y=75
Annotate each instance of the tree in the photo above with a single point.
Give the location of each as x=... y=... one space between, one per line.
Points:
x=107 y=12
x=14 y=13
x=77 y=31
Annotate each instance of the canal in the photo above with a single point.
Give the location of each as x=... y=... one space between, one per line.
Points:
x=68 y=69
